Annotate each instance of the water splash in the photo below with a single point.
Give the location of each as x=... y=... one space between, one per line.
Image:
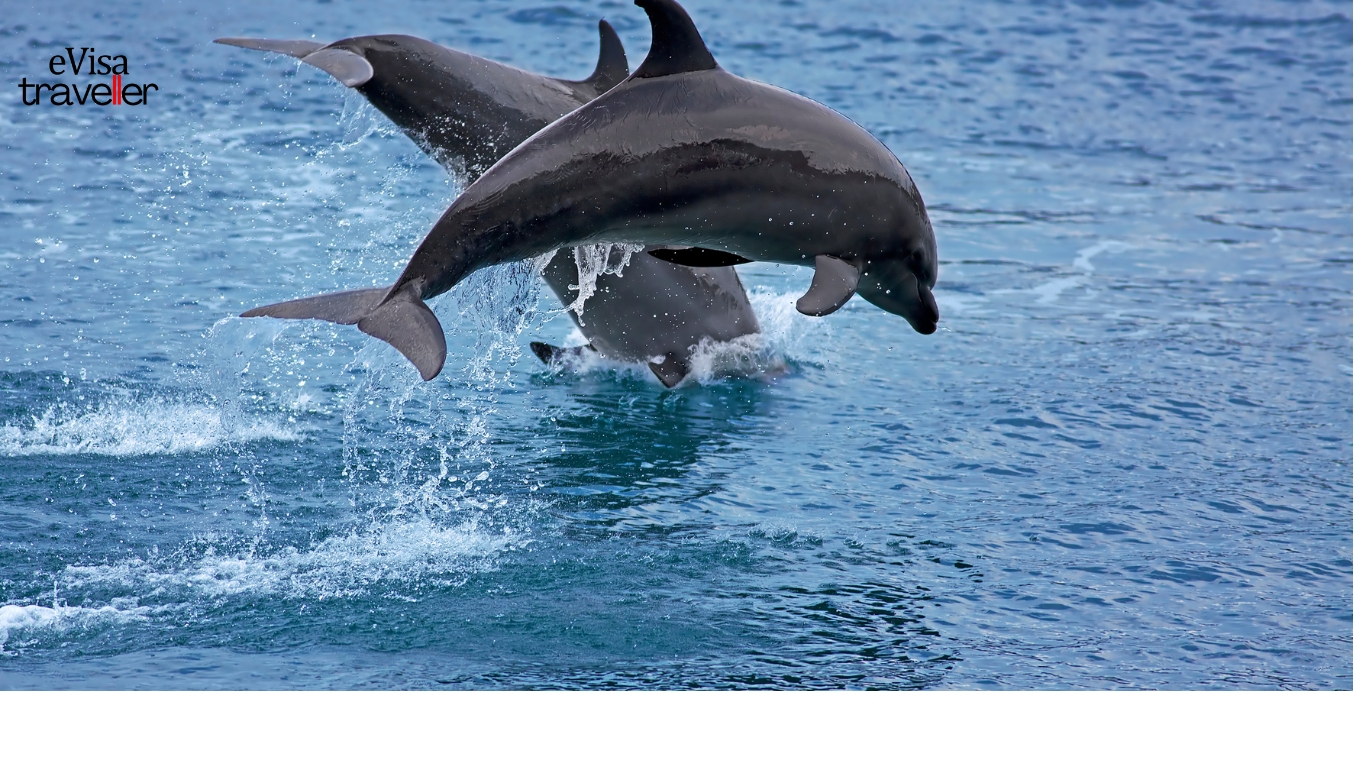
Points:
x=27 y=623
x=145 y=428
x=787 y=337
x=594 y=261
x=391 y=554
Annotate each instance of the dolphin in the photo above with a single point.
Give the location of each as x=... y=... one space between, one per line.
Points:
x=467 y=112
x=725 y=170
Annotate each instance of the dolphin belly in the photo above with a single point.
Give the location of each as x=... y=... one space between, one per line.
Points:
x=656 y=308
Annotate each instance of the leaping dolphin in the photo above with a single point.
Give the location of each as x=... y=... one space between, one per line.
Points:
x=467 y=112
x=724 y=169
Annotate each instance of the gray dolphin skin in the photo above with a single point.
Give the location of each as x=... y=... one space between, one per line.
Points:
x=467 y=112
x=725 y=170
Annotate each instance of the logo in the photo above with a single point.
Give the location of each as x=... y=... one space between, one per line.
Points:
x=112 y=93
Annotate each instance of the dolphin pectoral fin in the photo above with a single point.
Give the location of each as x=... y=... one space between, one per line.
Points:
x=833 y=284
x=296 y=48
x=346 y=308
x=696 y=257
x=547 y=352
x=409 y=326
x=351 y=69
x=556 y=356
x=670 y=370
x=675 y=45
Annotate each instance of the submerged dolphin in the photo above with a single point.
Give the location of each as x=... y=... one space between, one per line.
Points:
x=726 y=169
x=468 y=112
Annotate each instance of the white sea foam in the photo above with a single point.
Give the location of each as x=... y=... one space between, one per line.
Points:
x=788 y=333
x=38 y=619
x=1052 y=290
x=786 y=336
x=742 y=356
x=237 y=137
x=1049 y=292
x=957 y=304
x=1084 y=256
x=151 y=427
x=345 y=565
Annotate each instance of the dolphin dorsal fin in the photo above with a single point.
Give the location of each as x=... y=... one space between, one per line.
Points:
x=675 y=45
x=612 y=67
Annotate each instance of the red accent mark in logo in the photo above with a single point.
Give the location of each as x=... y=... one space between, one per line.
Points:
x=118 y=89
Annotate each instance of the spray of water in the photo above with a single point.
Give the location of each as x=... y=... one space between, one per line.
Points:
x=594 y=261
x=420 y=503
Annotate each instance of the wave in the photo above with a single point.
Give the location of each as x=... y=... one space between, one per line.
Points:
x=392 y=553
x=25 y=620
x=147 y=428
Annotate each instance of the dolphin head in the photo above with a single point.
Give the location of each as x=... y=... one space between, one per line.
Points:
x=900 y=281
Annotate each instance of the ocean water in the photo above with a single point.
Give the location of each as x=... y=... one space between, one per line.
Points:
x=1124 y=461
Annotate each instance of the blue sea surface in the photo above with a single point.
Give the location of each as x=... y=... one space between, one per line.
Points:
x=1123 y=461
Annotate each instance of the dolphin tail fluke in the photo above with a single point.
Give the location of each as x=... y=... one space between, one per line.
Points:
x=296 y=48
x=349 y=67
x=409 y=326
x=399 y=318
x=346 y=308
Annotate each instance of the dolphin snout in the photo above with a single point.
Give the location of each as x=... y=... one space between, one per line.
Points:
x=900 y=291
x=924 y=318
